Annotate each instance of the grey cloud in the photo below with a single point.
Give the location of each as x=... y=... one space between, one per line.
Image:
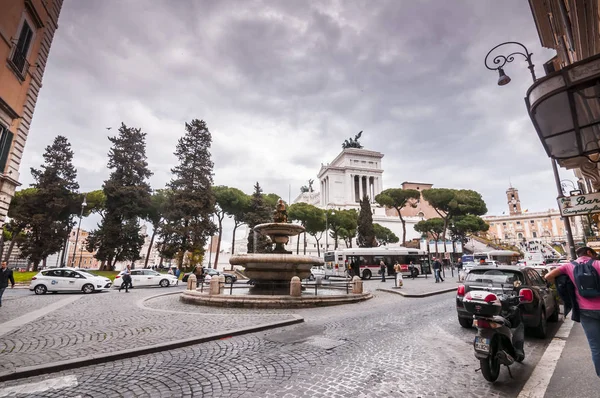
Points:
x=282 y=83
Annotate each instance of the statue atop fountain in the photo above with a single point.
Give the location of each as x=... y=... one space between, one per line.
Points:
x=280 y=213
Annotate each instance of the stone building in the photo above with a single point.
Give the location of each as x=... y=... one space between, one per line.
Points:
x=26 y=31
x=518 y=225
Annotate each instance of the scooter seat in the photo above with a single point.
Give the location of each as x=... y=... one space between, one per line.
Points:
x=501 y=320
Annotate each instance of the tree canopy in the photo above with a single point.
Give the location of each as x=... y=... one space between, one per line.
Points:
x=397 y=198
x=366 y=232
x=46 y=213
x=191 y=202
x=384 y=235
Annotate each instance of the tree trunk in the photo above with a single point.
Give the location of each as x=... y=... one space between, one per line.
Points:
x=10 y=249
x=1 y=244
x=233 y=239
x=297 y=244
x=44 y=262
x=304 y=242
x=36 y=266
x=150 y=247
x=403 y=230
x=218 y=241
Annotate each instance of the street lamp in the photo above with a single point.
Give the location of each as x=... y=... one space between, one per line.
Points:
x=555 y=123
x=83 y=205
x=500 y=60
x=327 y=226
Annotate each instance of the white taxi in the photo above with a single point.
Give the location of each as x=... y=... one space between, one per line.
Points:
x=147 y=277
x=68 y=280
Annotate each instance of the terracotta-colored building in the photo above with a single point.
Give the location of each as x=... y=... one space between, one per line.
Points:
x=77 y=255
x=26 y=31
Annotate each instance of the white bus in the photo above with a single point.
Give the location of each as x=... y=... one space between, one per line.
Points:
x=365 y=261
x=506 y=257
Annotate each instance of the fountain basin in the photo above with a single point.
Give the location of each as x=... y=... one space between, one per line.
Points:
x=263 y=267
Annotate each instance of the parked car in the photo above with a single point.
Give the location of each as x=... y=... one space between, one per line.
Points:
x=317 y=270
x=68 y=280
x=147 y=277
x=522 y=281
x=229 y=278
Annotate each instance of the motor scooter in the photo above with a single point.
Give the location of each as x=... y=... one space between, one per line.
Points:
x=500 y=330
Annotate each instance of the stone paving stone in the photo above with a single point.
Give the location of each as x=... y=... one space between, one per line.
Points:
x=392 y=347
x=109 y=322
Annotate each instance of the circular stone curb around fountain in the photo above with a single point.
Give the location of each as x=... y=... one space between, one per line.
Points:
x=268 y=301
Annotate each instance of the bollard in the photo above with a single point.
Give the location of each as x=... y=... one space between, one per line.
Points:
x=221 y=279
x=191 y=282
x=357 y=285
x=295 y=287
x=215 y=288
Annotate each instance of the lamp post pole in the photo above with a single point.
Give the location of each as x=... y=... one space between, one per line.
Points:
x=83 y=205
x=497 y=62
x=327 y=227
x=566 y=220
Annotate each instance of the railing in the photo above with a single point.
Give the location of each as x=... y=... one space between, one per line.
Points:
x=18 y=61
x=274 y=287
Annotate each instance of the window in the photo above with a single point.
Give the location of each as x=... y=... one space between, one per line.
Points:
x=504 y=223
x=18 y=57
x=518 y=222
x=533 y=222
x=6 y=137
x=535 y=234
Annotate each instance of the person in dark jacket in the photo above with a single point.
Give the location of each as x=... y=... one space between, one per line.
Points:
x=6 y=275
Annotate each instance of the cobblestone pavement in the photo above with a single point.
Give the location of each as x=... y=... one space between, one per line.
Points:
x=104 y=323
x=389 y=346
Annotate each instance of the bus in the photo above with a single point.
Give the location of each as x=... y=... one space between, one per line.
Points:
x=506 y=257
x=365 y=261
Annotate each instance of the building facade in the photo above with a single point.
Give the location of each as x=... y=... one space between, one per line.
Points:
x=518 y=225
x=27 y=28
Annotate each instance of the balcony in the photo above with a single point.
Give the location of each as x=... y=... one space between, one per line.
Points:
x=17 y=60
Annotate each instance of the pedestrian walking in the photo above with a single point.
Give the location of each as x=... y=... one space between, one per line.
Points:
x=413 y=270
x=459 y=268
x=583 y=273
x=126 y=284
x=6 y=275
x=437 y=270
x=382 y=270
x=398 y=273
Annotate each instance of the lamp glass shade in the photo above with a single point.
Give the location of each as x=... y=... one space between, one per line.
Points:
x=590 y=138
x=503 y=79
x=587 y=105
x=563 y=145
x=553 y=115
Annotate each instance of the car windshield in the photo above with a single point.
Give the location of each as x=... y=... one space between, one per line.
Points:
x=494 y=276
x=87 y=274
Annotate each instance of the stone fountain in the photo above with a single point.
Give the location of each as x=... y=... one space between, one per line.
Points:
x=277 y=268
x=276 y=276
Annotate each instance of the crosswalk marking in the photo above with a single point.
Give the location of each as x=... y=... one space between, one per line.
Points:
x=31 y=388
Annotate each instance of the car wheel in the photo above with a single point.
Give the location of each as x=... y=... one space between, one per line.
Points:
x=87 y=288
x=554 y=316
x=466 y=322
x=541 y=330
x=228 y=279
x=367 y=274
x=40 y=289
x=164 y=283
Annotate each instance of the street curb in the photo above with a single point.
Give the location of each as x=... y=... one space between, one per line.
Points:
x=428 y=294
x=53 y=367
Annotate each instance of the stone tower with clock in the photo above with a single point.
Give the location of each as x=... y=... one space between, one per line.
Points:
x=514 y=203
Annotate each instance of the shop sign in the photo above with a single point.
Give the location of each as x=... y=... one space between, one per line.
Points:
x=579 y=205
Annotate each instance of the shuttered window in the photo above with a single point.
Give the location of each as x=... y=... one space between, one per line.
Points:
x=6 y=137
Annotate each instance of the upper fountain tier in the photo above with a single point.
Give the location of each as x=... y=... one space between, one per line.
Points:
x=279 y=229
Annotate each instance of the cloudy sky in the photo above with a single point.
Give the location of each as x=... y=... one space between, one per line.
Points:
x=281 y=84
